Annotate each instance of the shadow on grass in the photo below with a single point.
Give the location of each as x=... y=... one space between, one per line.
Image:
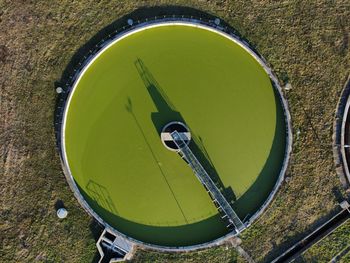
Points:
x=281 y=248
x=338 y=195
x=59 y=204
x=139 y=15
x=96 y=231
x=92 y=46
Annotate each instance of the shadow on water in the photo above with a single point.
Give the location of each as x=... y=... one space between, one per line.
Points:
x=101 y=195
x=129 y=108
x=189 y=234
x=139 y=15
x=92 y=46
x=98 y=198
x=256 y=195
x=166 y=112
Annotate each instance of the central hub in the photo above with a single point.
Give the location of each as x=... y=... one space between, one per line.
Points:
x=166 y=138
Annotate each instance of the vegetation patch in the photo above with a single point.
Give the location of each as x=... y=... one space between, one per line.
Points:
x=330 y=246
x=304 y=42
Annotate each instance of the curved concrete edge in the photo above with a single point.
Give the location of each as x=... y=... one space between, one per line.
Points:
x=288 y=151
x=208 y=25
x=339 y=136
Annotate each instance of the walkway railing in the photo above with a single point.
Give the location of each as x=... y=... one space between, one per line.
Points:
x=205 y=179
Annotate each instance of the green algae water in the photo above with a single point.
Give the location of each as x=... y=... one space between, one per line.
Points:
x=152 y=77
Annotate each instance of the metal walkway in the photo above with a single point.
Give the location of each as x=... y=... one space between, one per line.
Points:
x=205 y=179
x=113 y=248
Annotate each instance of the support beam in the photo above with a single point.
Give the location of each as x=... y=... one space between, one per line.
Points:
x=205 y=179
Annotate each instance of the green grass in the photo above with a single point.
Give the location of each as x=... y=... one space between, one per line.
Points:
x=330 y=246
x=305 y=42
x=345 y=258
x=117 y=111
x=215 y=255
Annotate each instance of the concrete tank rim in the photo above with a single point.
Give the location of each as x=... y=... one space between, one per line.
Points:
x=208 y=25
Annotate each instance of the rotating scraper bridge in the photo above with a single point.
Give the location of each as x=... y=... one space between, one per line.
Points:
x=219 y=200
x=124 y=230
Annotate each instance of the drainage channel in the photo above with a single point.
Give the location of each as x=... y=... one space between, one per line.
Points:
x=317 y=235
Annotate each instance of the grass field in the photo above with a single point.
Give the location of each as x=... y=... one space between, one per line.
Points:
x=330 y=246
x=305 y=42
x=112 y=132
